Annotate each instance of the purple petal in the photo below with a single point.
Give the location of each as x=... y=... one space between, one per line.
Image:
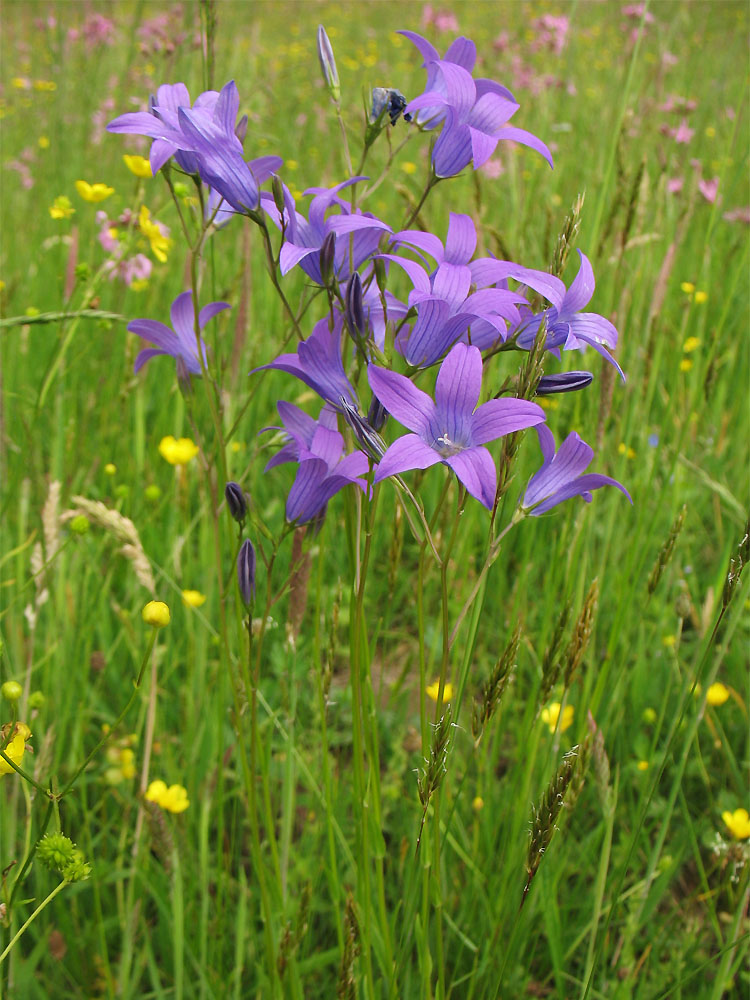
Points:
x=350 y=223
x=352 y=466
x=156 y=333
x=579 y=487
x=452 y=282
x=490 y=113
x=426 y=242
x=428 y=51
x=581 y=290
x=407 y=452
x=458 y=385
x=291 y=255
x=419 y=277
x=227 y=107
x=183 y=319
x=427 y=339
x=327 y=444
x=482 y=147
x=461 y=241
x=592 y=327
x=546 y=442
x=173 y=96
x=525 y=138
x=452 y=151
x=306 y=495
x=460 y=92
x=263 y=166
x=403 y=400
x=296 y=422
x=498 y=417
x=139 y=123
x=463 y=52
x=145 y=355
x=476 y=470
x=573 y=456
x=209 y=311
x=485 y=86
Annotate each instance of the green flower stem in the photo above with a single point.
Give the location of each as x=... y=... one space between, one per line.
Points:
x=33 y=917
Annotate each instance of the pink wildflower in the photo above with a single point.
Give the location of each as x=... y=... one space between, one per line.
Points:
x=738 y=215
x=683 y=133
x=709 y=188
x=675 y=185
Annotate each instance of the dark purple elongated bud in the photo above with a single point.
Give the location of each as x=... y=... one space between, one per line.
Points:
x=563 y=382
x=328 y=64
x=327 y=258
x=377 y=414
x=246 y=572
x=240 y=129
x=236 y=501
x=355 y=309
x=369 y=439
x=277 y=189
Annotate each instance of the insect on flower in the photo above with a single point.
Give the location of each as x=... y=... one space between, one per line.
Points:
x=391 y=99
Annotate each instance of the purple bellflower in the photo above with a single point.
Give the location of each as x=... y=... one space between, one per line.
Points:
x=561 y=475
x=318 y=364
x=567 y=327
x=451 y=429
x=475 y=113
x=318 y=448
x=303 y=239
x=180 y=341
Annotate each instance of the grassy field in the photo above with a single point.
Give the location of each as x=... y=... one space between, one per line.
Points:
x=348 y=834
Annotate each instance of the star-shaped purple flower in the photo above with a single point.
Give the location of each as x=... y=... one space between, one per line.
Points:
x=318 y=364
x=179 y=342
x=561 y=475
x=568 y=328
x=318 y=448
x=451 y=429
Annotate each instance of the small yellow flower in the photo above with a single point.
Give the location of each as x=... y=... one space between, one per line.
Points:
x=138 y=165
x=160 y=243
x=93 y=192
x=45 y=85
x=478 y=804
x=717 y=694
x=139 y=284
x=20 y=83
x=551 y=714
x=688 y=287
x=156 y=613
x=691 y=344
x=43 y=142
x=738 y=823
x=177 y=452
x=409 y=167
x=123 y=767
x=669 y=641
x=32 y=311
x=61 y=208
x=291 y=164
x=15 y=749
x=110 y=468
x=174 y=799
x=700 y=298
x=686 y=364
x=649 y=716
x=193 y=598
x=642 y=765
x=433 y=690
x=710 y=132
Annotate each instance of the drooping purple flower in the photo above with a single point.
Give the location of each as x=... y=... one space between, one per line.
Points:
x=567 y=327
x=475 y=113
x=561 y=475
x=318 y=447
x=318 y=364
x=357 y=233
x=451 y=428
x=180 y=341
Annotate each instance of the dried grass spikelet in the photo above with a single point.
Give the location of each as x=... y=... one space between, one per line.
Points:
x=552 y=659
x=567 y=238
x=51 y=521
x=122 y=529
x=581 y=633
x=494 y=687
x=346 y=988
x=665 y=552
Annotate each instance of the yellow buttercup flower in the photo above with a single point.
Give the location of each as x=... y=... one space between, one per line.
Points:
x=160 y=243
x=138 y=165
x=177 y=452
x=691 y=344
x=551 y=714
x=687 y=287
x=193 y=598
x=156 y=614
x=174 y=799
x=93 y=192
x=717 y=694
x=738 y=823
x=15 y=748
x=686 y=364
x=700 y=298
x=642 y=765
x=434 y=689
x=61 y=208
x=409 y=168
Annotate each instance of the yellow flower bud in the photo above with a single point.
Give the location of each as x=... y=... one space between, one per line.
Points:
x=11 y=691
x=717 y=694
x=193 y=598
x=156 y=613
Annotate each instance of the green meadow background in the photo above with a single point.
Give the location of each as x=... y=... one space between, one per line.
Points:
x=643 y=891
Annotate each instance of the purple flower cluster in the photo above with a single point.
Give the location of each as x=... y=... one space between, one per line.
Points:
x=460 y=310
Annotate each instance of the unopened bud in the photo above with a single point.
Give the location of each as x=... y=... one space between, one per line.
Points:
x=368 y=438
x=80 y=524
x=277 y=189
x=156 y=614
x=11 y=691
x=377 y=414
x=236 y=502
x=355 y=310
x=380 y=273
x=328 y=258
x=328 y=64
x=563 y=382
x=246 y=572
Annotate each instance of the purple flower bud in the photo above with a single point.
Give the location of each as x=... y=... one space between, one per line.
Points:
x=328 y=258
x=355 y=311
x=246 y=572
x=277 y=189
x=563 y=382
x=328 y=64
x=377 y=414
x=236 y=501
x=366 y=436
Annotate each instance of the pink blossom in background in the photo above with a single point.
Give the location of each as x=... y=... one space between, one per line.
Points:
x=98 y=30
x=635 y=10
x=675 y=185
x=730 y=113
x=443 y=20
x=680 y=105
x=683 y=133
x=493 y=168
x=502 y=42
x=669 y=59
x=709 y=188
x=99 y=120
x=27 y=181
x=552 y=32
x=738 y=215
x=137 y=268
